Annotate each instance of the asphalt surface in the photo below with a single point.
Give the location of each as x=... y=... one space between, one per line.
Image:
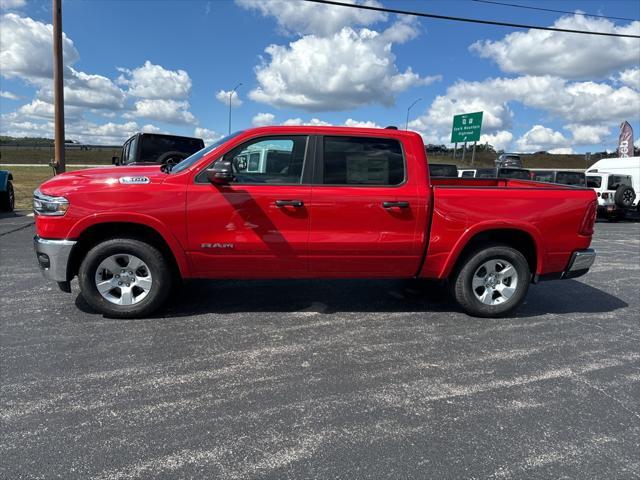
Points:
x=310 y=379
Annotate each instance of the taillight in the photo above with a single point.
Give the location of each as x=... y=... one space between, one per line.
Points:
x=605 y=196
x=589 y=220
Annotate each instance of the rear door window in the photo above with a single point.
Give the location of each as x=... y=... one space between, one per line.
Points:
x=570 y=178
x=362 y=161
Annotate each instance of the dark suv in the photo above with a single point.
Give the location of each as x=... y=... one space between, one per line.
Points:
x=145 y=148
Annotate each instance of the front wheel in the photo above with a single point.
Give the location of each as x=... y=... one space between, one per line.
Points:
x=8 y=199
x=125 y=278
x=492 y=282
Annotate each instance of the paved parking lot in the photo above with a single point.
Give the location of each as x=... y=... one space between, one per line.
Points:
x=309 y=379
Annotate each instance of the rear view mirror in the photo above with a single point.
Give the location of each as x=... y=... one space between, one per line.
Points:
x=221 y=172
x=115 y=160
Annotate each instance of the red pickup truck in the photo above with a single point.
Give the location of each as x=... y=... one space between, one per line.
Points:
x=307 y=202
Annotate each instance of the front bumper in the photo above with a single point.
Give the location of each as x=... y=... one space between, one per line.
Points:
x=53 y=257
x=579 y=264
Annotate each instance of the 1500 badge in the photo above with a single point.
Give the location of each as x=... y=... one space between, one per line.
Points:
x=134 y=180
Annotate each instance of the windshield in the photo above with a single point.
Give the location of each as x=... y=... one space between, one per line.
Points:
x=189 y=161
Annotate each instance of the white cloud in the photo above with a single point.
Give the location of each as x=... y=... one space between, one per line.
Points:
x=8 y=95
x=11 y=4
x=581 y=103
x=340 y=72
x=155 y=81
x=538 y=52
x=262 y=119
x=500 y=140
x=305 y=18
x=172 y=111
x=208 y=136
x=315 y=122
x=588 y=134
x=540 y=138
x=223 y=97
x=85 y=90
x=361 y=124
x=26 y=46
x=631 y=77
x=562 y=151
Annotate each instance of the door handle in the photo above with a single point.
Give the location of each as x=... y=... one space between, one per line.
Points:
x=401 y=204
x=289 y=203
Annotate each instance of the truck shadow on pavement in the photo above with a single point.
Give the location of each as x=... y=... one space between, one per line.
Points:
x=345 y=296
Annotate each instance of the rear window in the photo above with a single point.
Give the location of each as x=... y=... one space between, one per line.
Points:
x=154 y=146
x=617 y=180
x=543 y=177
x=442 y=170
x=570 y=178
x=486 y=173
x=362 y=161
x=514 y=173
x=467 y=174
x=594 y=181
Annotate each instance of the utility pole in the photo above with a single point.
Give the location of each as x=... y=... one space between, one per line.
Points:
x=406 y=125
x=230 y=97
x=59 y=163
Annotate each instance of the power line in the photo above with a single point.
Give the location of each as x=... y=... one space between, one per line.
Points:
x=555 y=11
x=468 y=20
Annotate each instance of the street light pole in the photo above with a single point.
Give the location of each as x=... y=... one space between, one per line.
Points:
x=406 y=125
x=58 y=89
x=230 y=97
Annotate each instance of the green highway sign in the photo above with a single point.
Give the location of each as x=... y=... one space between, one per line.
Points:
x=466 y=127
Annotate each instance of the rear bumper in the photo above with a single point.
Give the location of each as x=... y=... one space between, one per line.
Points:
x=579 y=264
x=53 y=257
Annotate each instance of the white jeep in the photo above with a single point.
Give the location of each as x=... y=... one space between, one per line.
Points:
x=615 y=194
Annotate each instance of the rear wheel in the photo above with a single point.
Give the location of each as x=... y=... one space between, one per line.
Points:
x=492 y=281
x=125 y=278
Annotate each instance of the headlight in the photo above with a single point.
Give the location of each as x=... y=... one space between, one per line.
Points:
x=49 y=206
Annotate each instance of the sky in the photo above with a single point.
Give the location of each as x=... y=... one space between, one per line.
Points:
x=169 y=66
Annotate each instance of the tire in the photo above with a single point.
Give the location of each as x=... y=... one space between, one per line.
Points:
x=8 y=199
x=471 y=271
x=624 y=196
x=126 y=252
x=171 y=158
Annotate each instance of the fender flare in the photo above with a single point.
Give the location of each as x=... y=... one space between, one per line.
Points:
x=140 y=219
x=488 y=226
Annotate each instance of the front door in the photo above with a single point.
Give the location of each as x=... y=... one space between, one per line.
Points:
x=258 y=225
x=365 y=210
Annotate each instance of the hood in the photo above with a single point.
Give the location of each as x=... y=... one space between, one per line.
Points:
x=99 y=178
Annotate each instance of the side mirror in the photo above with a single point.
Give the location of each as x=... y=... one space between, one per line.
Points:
x=115 y=160
x=221 y=172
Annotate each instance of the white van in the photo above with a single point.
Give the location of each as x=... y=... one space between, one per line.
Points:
x=621 y=166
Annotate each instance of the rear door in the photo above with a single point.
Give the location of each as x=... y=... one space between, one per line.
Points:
x=257 y=226
x=366 y=207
